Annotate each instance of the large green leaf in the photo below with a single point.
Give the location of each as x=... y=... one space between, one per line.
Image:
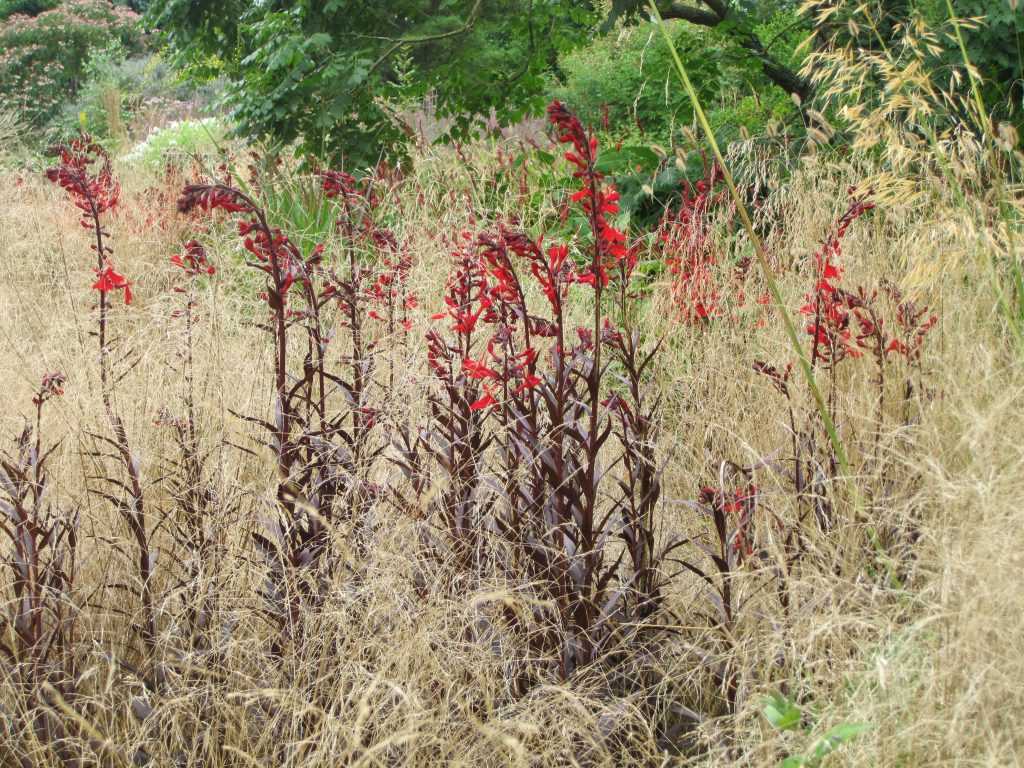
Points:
x=627 y=159
x=782 y=713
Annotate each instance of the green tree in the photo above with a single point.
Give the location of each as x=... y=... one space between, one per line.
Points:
x=325 y=73
x=737 y=19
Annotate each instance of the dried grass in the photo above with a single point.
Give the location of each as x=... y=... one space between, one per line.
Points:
x=934 y=662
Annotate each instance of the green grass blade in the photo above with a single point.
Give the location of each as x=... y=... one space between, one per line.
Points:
x=762 y=258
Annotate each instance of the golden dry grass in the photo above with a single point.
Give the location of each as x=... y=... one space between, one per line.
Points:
x=933 y=661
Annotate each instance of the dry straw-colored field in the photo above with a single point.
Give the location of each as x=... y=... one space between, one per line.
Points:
x=889 y=598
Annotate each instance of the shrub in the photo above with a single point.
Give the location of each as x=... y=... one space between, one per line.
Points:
x=43 y=57
x=122 y=95
x=620 y=81
x=178 y=143
x=104 y=103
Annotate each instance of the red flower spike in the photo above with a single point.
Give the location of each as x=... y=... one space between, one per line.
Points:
x=529 y=382
x=51 y=386
x=108 y=279
x=84 y=171
x=830 y=306
x=194 y=261
x=209 y=198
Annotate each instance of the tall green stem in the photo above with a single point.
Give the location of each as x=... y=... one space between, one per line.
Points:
x=762 y=258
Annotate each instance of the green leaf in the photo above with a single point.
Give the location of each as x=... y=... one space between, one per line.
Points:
x=628 y=159
x=783 y=714
x=836 y=737
x=545 y=157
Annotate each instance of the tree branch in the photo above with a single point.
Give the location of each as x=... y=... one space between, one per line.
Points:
x=788 y=80
x=691 y=13
x=711 y=13
x=399 y=42
x=718 y=6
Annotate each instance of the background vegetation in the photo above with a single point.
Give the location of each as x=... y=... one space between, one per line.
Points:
x=366 y=407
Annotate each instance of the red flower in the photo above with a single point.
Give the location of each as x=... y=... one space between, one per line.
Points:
x=742 y=503
x=194 y=261
x=898 y=347
x=52 y=386
x=686 y=243
x=84 y=172
x=465 y=322
x=211 y=197
x=596 y=200
x=829 y=305
x=589 y=278
x=484 y=402
x=529 y=382
x=476 y=369
x=108 y=279
x=337 y=183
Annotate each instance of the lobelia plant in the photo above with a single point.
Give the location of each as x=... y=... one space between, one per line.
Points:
x=683 y=243
x=844 y=324
x=456 y=439
x=195 y=499
x=323 y=455
x=84 y=171
x=361 y=296
x=390 y=292
x=913 y=322
x=297 y=536
x=832 y=340
x=32 y=525
x=722 y=556
x=543 y=394
x=38 y=619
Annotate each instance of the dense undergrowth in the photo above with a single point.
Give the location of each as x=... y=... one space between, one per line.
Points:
x=452 y=465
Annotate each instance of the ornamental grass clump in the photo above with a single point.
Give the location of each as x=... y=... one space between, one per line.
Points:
x=548 y=523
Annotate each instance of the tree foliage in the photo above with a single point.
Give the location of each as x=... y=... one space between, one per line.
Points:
x=995 y=46
x=993 y=33
x=625 y=81
x=326 y=74
x=737 y=19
